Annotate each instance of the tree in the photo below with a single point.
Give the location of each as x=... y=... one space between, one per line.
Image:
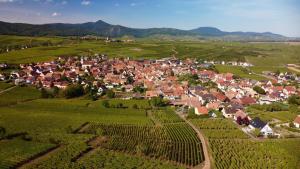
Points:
x=294 y=99
x=157 y=102
x=105 y=103
x=73 y=91
x=135 y=106
x=44 y=93
x=246 y=121
x=239 y=120
x=259 y=90
x=2 y=132
x=130 y=80
x=110 y=94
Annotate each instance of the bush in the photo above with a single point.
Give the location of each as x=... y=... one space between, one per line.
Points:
x=259 y=90
x=105 y=103
x=2 y=132
x=110 y=94
x=294 y=99
x=73 y=91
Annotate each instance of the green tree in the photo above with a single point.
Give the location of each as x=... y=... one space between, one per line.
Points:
x=259 y=90
x=294 y=99
x=2 y=132
x=106 y=104
x=73 y=91
x=110 y=94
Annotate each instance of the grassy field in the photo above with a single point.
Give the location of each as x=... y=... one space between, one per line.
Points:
x=239 y=71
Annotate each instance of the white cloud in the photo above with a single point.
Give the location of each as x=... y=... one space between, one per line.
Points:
x=5 y=1
x=85 y=2
x=64 y=2
x=133 y=4
x=54 y=14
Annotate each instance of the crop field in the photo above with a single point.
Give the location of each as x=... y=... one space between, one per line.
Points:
x=283 y=116
x=219 y=129
x=72 y=124
x=265 y=56
x=15 y=151
x=18 y=94
x=231 y=148
x=4 y=86
x=237 y=70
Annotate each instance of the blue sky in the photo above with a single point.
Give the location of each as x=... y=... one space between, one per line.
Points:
x=278 y=16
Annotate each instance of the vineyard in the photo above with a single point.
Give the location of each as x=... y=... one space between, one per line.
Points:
x=13 y=152
x=175 y=142
x=219 y=128
x=166 y=115
x=231 y=148
x=249 y=154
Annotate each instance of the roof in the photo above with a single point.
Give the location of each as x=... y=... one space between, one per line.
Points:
x=240 y=113
x=202 y=110
x=297 y=119
x=258 y=123
x=247 y=100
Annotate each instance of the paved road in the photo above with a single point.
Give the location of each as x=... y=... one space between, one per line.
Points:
x=8 y=89
x=207 y=163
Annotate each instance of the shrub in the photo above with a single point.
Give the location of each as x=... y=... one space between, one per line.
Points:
x=259 y=90
x=73 y=91
x=294 y=99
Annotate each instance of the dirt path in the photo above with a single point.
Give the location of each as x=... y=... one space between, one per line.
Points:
x=8 y=89
x=294 y=69
x=207 y=163
x=39 y=158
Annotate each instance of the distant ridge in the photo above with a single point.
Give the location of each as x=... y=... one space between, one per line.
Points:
x=101 y=28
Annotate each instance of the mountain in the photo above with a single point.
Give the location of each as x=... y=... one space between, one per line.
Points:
x=101 y=28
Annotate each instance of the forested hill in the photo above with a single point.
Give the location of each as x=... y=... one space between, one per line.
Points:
x=101 y=28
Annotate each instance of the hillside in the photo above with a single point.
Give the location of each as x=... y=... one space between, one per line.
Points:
x=101 y=28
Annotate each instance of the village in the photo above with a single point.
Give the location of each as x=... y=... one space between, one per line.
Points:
x=198 y=87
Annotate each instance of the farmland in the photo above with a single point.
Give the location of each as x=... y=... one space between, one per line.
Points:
x=265 y=56
x=34 y=126
x=231 y=148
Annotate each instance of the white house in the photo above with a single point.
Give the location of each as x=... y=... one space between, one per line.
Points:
x=264 y=128
x=297 y=121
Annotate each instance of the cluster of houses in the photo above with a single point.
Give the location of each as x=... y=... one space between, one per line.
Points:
x=161 y=79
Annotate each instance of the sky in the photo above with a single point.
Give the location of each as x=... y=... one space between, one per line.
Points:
x=277 y=16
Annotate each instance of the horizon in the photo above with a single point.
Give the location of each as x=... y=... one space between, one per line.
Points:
x=280 y=17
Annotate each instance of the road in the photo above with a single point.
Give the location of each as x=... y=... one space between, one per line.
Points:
x=207 y=163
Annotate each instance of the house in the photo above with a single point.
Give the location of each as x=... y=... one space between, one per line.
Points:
x=262 y=126
x=201 y=110
x=247 y=101
x=229 y=112
x=297 y=121
x=152 y=93
x=241 y=114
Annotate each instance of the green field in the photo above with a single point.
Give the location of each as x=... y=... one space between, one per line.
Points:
x=239 y=71
x=4 y=86
x=231 y=148
x=73 y=124
x=265 y=56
